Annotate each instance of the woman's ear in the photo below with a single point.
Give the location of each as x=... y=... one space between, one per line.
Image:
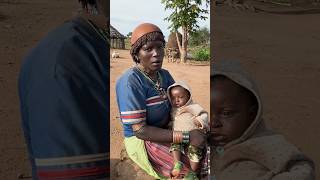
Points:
x=137 y=59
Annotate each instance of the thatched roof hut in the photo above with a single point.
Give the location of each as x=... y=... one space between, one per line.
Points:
x=172 y=41
x=116 y=38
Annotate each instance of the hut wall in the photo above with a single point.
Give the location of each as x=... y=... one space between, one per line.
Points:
x=117 y=43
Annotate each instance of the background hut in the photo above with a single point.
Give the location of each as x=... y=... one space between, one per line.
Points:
x=117 y=40
x=172 y=45
x=172 y=41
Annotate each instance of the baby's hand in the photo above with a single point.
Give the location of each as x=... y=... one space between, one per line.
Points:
x=197 y=123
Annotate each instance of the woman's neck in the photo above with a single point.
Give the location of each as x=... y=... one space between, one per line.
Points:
x=152 y=74
x=98 y=20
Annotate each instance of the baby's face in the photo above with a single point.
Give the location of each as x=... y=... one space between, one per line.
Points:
x=231 y=111
x=179 y=96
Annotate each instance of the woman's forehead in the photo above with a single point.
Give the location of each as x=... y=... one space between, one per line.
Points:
x=152 y=43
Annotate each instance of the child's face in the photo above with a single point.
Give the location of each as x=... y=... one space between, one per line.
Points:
x=179 y=96
x=232 y=111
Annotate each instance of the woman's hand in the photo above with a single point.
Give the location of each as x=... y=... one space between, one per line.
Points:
x=198 y=138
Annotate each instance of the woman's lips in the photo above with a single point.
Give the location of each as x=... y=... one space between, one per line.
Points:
x=156 y=63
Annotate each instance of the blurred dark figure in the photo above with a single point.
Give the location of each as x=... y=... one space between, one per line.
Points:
x=64 y=96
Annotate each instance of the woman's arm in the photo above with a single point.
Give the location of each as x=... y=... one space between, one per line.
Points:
x=155 y=134
x=151 y=133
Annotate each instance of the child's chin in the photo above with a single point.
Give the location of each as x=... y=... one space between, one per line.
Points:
x=212 y=142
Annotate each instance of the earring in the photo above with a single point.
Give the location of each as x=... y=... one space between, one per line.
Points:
x=137 y=59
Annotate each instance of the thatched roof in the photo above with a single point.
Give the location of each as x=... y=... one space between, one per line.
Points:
x=172 y=40
x=115 y=34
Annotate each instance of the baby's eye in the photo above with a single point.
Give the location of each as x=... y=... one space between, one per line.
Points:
x=227 y=113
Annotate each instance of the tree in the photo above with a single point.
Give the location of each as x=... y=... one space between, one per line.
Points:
x=184 y=16
x=200 y=37
x=129 y=34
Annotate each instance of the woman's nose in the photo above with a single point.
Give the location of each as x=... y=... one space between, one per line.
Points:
x=156 y=51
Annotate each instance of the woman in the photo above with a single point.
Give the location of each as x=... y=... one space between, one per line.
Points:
x=145 y=109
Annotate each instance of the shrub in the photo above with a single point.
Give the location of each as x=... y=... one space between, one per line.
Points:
x=201 y=54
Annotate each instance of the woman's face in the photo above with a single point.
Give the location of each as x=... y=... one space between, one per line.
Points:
x=151 y=56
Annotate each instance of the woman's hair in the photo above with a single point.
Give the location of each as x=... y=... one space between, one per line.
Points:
x=85 y=3
x=152 y=36
x=90 y=6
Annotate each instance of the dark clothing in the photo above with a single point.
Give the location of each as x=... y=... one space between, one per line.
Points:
x=64 y=95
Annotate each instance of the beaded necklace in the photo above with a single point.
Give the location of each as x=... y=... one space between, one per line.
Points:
x=156 y=83
x=101 y=32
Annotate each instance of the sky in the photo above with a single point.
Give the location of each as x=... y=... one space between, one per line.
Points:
x=125 y=15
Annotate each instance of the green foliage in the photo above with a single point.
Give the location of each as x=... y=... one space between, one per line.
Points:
x=200 y=37
x=201 y=54
x=185 y=13
x=127 y=43
x=129 y=34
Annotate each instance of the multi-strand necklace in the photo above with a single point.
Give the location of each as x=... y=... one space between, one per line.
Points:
x=101 y=32
x=155 y=82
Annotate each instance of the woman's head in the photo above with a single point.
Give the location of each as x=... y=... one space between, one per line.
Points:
x=147 y=46
x=95 y=6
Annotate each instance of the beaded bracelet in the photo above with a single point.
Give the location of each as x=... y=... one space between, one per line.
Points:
x=185 y=137
x=177 y=136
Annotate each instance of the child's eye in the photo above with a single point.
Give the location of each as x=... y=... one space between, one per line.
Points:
x=227 y=113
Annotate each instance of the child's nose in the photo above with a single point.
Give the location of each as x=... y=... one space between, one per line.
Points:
x=215 y=121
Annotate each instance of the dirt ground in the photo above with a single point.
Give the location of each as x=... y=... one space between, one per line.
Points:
x=281 y=51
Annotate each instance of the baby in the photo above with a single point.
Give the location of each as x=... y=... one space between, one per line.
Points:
x=241 y=145
x=186 y=116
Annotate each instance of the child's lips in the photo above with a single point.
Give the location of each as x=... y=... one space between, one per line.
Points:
x=218 y=141
x=218 y=138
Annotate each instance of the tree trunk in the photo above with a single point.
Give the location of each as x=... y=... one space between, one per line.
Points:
x=183 y=47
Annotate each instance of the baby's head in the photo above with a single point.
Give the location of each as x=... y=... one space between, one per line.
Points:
x=179 y=96
x=233 y=109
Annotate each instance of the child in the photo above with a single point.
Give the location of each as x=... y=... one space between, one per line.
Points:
x=242 y=147
x=186 y=116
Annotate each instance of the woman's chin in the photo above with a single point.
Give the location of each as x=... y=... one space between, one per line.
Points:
x=157 y=67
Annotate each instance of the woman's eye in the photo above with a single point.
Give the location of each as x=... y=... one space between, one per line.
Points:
x=148 y=49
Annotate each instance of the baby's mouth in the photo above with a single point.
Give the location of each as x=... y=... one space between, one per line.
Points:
x=217 y=139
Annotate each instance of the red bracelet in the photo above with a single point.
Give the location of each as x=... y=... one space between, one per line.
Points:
x=177 y=136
